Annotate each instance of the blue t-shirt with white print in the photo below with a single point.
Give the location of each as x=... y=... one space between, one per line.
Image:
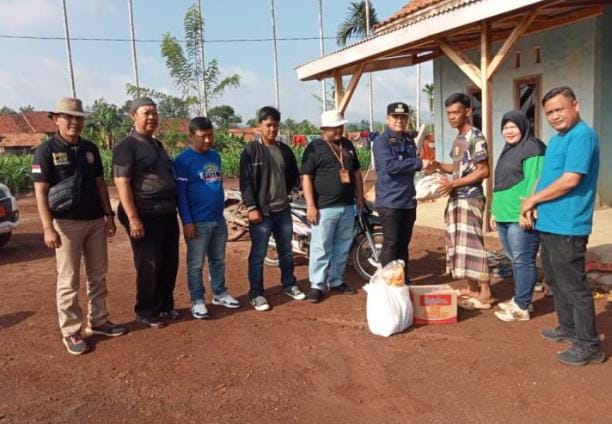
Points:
x=199 y=184
x=575 y=151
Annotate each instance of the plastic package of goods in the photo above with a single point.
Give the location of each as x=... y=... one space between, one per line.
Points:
x=427 y=186
x=388 y=306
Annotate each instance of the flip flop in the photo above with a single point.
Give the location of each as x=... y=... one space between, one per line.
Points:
x=472 y=304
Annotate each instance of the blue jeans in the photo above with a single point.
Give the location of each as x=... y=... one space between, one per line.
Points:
x=330 y=243
x=280 y=225
x=210 y=242
x=521 y=247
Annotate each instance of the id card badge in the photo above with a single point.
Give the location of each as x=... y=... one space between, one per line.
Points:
x=345 y=177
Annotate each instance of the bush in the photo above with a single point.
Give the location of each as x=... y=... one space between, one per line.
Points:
x=16 y=172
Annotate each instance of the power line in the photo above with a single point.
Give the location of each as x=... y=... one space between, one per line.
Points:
x=222 y=40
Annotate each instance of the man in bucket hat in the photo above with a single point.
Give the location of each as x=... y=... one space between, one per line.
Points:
x=332 y=183
x=79 y=230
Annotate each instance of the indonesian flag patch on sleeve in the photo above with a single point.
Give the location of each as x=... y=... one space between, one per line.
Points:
x=36 y=169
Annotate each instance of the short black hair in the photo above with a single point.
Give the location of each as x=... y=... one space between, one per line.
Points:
x=200 y=123
x=268 y=112
x=563 y=90
x=462 y=98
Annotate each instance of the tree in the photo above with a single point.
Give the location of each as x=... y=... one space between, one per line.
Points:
x=5 y=110
x=184 y=66
x=354 y=26
x=106 y=124
x=224 y=116
x=429 y=92
x=28 y=108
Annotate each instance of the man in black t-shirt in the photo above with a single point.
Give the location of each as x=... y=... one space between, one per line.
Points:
x=144 y=177
x=332 y=183
x=81 y=230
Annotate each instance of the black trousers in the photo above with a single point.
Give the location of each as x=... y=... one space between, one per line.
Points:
x=563 y=260
x=397 y=225
x=156 y=258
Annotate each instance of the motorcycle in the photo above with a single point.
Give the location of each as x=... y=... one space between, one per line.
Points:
x=236 y=215
x=364 y=254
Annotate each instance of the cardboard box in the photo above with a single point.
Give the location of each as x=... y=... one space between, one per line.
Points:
x=436 y=304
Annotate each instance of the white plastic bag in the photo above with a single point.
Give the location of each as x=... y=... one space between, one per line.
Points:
x=388 y=307
x=427 y=187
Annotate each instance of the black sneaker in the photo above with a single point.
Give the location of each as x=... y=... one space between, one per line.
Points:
x=153 y=322
x=107 y=329
x=75 y=344
x=171 y=315
x=343 y=289
x=578 y=356
x=315 y=295
x=556 y=335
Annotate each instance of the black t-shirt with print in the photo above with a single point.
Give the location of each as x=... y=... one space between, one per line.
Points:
x=56 y=159
x=144 y=161
x=320 y=162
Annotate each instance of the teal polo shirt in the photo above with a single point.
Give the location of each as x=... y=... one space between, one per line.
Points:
x=575 y=151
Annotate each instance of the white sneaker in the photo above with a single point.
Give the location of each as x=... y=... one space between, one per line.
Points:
x=226 y=300
x=260 y=304
x=198 y=310
x=295 y=293
x=508 y=304
x=512 y=313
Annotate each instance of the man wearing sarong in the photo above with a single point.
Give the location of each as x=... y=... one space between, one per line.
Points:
x=466 y=257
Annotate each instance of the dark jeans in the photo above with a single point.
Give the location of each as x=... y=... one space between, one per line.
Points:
x=521 y=247
x=156 y=258
x=280 y=225
x=397 y=225
x=563 y=262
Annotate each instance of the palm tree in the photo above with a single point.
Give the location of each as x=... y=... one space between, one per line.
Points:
x=355 y=26
x=429 y=92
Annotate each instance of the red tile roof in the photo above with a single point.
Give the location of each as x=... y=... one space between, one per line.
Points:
x=40 y=121
x=410 y=8
x=21 y=139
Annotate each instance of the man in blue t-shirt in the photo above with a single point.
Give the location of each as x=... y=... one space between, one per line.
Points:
x=565 y=198
x=200 y=203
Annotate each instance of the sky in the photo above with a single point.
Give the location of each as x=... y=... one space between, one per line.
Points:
x=34 y=72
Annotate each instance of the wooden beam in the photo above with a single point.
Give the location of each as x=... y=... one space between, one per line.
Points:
x=462 y=61
x=338 y=89
x=487 y=112
x=351 y=89
x=510 y=41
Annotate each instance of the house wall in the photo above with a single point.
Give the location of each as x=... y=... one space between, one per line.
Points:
x=569 y=56
x=603 y=103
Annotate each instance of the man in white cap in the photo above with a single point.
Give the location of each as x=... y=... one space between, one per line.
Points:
x=332 y=183
x=76 y=215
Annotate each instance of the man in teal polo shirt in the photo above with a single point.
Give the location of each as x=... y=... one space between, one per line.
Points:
x=565 y=198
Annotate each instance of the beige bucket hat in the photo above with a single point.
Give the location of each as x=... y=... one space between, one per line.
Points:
x=69 y=106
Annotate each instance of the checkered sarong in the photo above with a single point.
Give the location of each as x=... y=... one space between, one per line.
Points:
x=466 y=256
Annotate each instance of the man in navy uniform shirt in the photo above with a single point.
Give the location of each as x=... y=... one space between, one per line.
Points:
x=396 y=161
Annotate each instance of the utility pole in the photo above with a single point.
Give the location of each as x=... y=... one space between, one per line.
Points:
x=418 y=96
x=370 y=107
x=274 y=55
x=322 y=48
x=68 y=50
x=133 y=41
x=202 y=66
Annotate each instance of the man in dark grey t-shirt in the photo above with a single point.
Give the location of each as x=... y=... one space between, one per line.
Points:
x=279 y=199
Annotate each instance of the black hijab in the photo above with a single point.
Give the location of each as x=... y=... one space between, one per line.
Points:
x=509 y=169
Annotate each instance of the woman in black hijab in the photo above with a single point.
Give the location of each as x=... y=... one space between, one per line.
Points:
x=517 y=171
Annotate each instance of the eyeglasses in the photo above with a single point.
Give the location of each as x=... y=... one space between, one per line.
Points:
x=399 y=117
x=69 y=118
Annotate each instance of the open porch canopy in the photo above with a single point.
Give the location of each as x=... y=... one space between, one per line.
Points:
x=427 y=29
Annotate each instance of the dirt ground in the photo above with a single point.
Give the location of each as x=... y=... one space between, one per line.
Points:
x=298 y=362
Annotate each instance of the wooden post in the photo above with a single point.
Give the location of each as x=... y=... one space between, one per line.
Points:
x=487 y=112
x=338 y=90
x=346 y=98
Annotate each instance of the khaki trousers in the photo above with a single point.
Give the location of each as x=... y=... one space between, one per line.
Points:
x=86 y=239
